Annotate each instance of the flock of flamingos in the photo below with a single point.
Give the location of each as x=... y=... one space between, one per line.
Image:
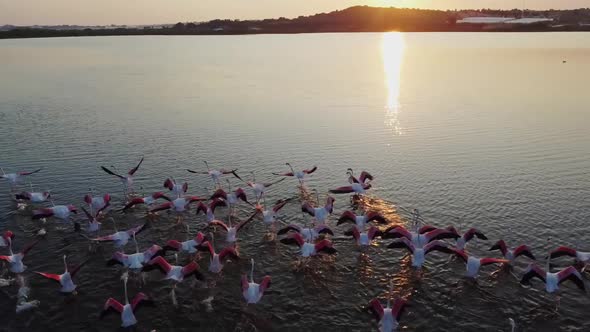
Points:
x=312 y=239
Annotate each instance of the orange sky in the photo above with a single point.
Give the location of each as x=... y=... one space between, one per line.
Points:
x=87 y=12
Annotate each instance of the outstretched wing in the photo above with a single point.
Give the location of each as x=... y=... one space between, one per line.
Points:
x=138 y=299
x=294 y=238
x=280 y=205
x=219 y=193
x=134 y=169
x=365 y=176
x=108 y=171
x=342 y=190
x=136 y=230
x=500 y=245
x=376 y=308
x=229 y=251
x=308 y=208
x=133 y=202
x=347 y=216
x=165 y=206
x=160 y=263
x=29 y=173
x=111 y=305
x=292 y=227
x=563 y=251
x=398 y=308
x=402 y=243
x=264 y=284
x=488 y=261
x=218 y=223
x=29 y=247
x=523 y=250
x=532 y=271
x=42 y=213
x=570 y=273
x=311 y=170
x=55 y=277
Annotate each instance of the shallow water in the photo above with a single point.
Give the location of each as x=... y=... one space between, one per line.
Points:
x=491 y=129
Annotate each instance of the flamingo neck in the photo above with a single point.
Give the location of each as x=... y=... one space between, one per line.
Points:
x=136 y=245
x=65 y=264
x=207 y=164
x=125 y=287
x=115 y=225
x=252 y=271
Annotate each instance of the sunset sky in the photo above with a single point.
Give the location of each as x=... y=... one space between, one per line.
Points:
x=88 y=12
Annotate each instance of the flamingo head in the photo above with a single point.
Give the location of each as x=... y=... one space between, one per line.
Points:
x=8 y=235
x=107 y=198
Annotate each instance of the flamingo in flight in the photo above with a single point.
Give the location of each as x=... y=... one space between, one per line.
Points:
x=217 y=259
x=364 y=238
x=252 y=291
x=93 y=223
x=300 y=175
x=64 y=279
x=147 y=200
x=388 y=317
x=473 y=263
x=120 y=238
x=137 y=260
x=259 y=188
x=177 y=189
x=174 y=272
x=580 y=256
x=5 y=239
x=231 y=232
x=127 y=180
x=269 y=217
x=552 y=280
x=99 y=203
x=309 y=234
x=34 y=197
x=215 y=174
x=209 y=210
x=512 y=254
x=127 y=310
x=320 y=214
x=15 y=261
x=308 y=249
x=361 y=220
x=62 y=212
x=467 y=236
x=232 y=198
x=189 y=246
x=419 y=253
x=357 y=186
x=15 y=178
x=179 y=205
x=419 y=239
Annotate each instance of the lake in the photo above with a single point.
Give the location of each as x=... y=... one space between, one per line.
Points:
x=472 y=129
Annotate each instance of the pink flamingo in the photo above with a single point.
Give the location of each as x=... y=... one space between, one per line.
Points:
x=473 y=263
x=147 y=200
x=512 y=254
x=467 y=236
x=309 y=234
x=361 y=220
x=300 y=175
x=231 y=232
x=5 y=239
x=127 y=310
x=120 y=238
x=232 y=198
x=320 y=214
x=388 y=317
x=98 y=204
x=209 y=210
x=138 y=259
x=309 y=249
x=127 y=180
x=419 y=253
x=64 y=279
x=34 y=197
x=364 y=238
x=177 y=189
x=252 y=291
x=215 y=174
x=189 y=246
x=62 y=212
x=16 y=178
x=15 y=261
x=217 y=259
x=179 y=206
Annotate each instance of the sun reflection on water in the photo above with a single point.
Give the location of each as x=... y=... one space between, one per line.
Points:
x=392 y=51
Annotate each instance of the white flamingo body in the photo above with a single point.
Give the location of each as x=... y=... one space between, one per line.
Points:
x=388 y=323
x=308 y=249
x=15 y=263
x=38 y=197
x=127 y=316
x=252 y=291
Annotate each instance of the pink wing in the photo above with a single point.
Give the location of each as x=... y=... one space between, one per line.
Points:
x=137 y=299
x=232 y=252
x=162 y=207
x=373 y=232
x=113 y=304
x=152 y=251
x=570 y=273
x=377 y=308
x=563 y=251
x=219 y=223
x=161 y=263
x=523 y=250
x=376 y=217
x=355 y=233
x=241 y=194
x=365 y=176
x=284 y=174
x=215 y=203
x=134 y=202
x=325 y=246
x=135 y=230
x=169 y=184
x=398 y=308
x=488 y=261
x=347 y=216
x=295 y=228
x=279 y=205
x=42 y=213
x=88 y=199
x=245 y=283
x=294 y=238
x=342 y=190
x=51 y=276
x=500 y=245
x=173 y=245
x=219 y=193
x=264 y=284
x=307 y=208
x=397 y=232
x=29 y=173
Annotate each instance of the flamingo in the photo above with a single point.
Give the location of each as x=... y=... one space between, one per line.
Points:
x=120 y=238
x=259 y=188
x=358 y=186
x=418 y=239
x=320 y=213
x=364 y=238
x=5 y=239
x=552 y=280
x=147 y=200
x=189 y=246
x=216 y=261
x=127 y=310
x=138 y=259
x=209 y=210
x=252 y=291
x=300 y=175
x=309 y=249
x=512 y=254
x=230 y=197
x=127 y=180
x=360 y=220
x=473 y=263
x=34 y=197
x=97 y=203
x=177 y=189
x=15 y=178
x=419 y=253
x=309 y=234
x=467 y=236
x=388 y=317
x=64 y=279
x=215 y=174
x=269 y=217
x=62 y=212
x=231 y=232
x=93 y=223
x=179 y=205
x=174 y=272
x=15 y=261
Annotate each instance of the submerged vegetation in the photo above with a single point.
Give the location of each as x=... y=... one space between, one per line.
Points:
x=353 y=19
